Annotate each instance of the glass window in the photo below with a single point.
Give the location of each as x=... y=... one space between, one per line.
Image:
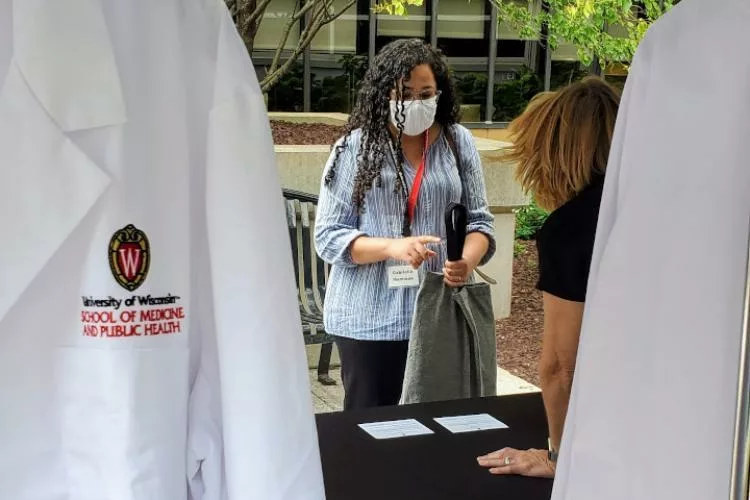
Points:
x=332 y=92
x=511 y=48
x=509 y=43
x=276 y=17
x=512 y=95
x=463 y=28
x=471 y=90
x=413 y=25
x=565 y=73
x=565 y=52
x=340 y=36
x=335 y=90
x=462 y=19
x=288 y=93
x=512 y=92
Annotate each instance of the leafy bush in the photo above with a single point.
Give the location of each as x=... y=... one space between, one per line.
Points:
x=529 y=220
x=472 y=89
x=337 y=93
x=355 y=66
x=287 y=94
x=329 y=94
x=512 y=96
x=566 y=72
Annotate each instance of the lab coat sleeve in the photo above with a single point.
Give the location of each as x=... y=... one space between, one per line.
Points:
x=337 y=219
x=268 y=428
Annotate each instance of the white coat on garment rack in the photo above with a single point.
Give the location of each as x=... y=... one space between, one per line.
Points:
x=149 y=339
x=652 y=412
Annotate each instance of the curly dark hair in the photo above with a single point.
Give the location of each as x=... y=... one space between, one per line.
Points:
x=372 y=112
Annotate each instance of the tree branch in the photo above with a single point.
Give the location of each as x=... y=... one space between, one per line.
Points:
x=310 y=4
x=316 y=18
x=255 y=16
x=243 y=7
x=320 y=19
x=285 y=35
x=232 y=7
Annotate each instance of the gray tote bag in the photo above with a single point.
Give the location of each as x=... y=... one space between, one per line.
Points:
x=452 y=345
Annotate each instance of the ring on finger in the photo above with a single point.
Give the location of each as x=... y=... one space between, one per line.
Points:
x=507 y=461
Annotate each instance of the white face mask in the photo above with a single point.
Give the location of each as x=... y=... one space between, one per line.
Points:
x=418 y=115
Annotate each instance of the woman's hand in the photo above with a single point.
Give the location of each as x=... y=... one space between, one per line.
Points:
x=455 y=273
x=530 y=463
x=412 y=250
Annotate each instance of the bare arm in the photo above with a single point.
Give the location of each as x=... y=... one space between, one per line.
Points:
x=562 y=329
x=475 y=248
x=366 y=250
x=412 y=250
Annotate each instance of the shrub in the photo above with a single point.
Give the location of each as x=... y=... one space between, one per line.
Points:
x=529 y=220
x=512 y=96
x=287 y=94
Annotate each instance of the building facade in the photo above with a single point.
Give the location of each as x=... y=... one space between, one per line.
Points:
x=491 y=63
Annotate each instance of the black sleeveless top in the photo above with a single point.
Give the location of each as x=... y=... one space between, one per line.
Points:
x=566 y=243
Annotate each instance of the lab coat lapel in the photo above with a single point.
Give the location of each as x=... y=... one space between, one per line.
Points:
x=64 y=52
x=62 y=78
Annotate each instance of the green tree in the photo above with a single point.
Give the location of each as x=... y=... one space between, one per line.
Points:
x=603 y=31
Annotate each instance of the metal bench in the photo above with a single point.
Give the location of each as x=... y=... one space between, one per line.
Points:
x=311 y=274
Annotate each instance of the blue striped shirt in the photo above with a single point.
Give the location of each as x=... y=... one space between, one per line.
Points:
x=359 y=303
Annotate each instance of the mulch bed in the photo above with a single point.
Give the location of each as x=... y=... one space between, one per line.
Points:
x=288 y=133
x=519 y=336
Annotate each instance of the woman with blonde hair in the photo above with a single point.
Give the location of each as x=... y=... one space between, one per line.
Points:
x=561 y=146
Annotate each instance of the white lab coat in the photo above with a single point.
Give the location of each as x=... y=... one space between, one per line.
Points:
x=144 y=113
x=652 y=410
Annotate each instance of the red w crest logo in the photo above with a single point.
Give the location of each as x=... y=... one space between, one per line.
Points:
x=129 y=257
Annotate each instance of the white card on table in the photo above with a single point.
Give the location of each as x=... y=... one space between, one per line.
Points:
x=402 y=277
x=395 y=429
x=471 y=423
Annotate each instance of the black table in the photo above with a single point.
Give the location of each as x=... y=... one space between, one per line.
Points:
x=440 y=466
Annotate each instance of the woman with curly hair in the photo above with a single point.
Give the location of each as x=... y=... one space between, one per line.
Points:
x=380 y=220
x=561 y=147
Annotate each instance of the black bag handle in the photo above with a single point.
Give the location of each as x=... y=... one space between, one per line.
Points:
x=456 y=220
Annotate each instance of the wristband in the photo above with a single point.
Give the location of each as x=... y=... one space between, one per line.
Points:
x=551 y=452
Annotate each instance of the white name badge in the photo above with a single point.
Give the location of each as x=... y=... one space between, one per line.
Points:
x=402 y=277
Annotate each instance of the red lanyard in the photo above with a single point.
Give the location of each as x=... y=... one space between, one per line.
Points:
x=415 y=188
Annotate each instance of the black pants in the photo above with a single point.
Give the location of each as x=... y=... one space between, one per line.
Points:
x=372 y=371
